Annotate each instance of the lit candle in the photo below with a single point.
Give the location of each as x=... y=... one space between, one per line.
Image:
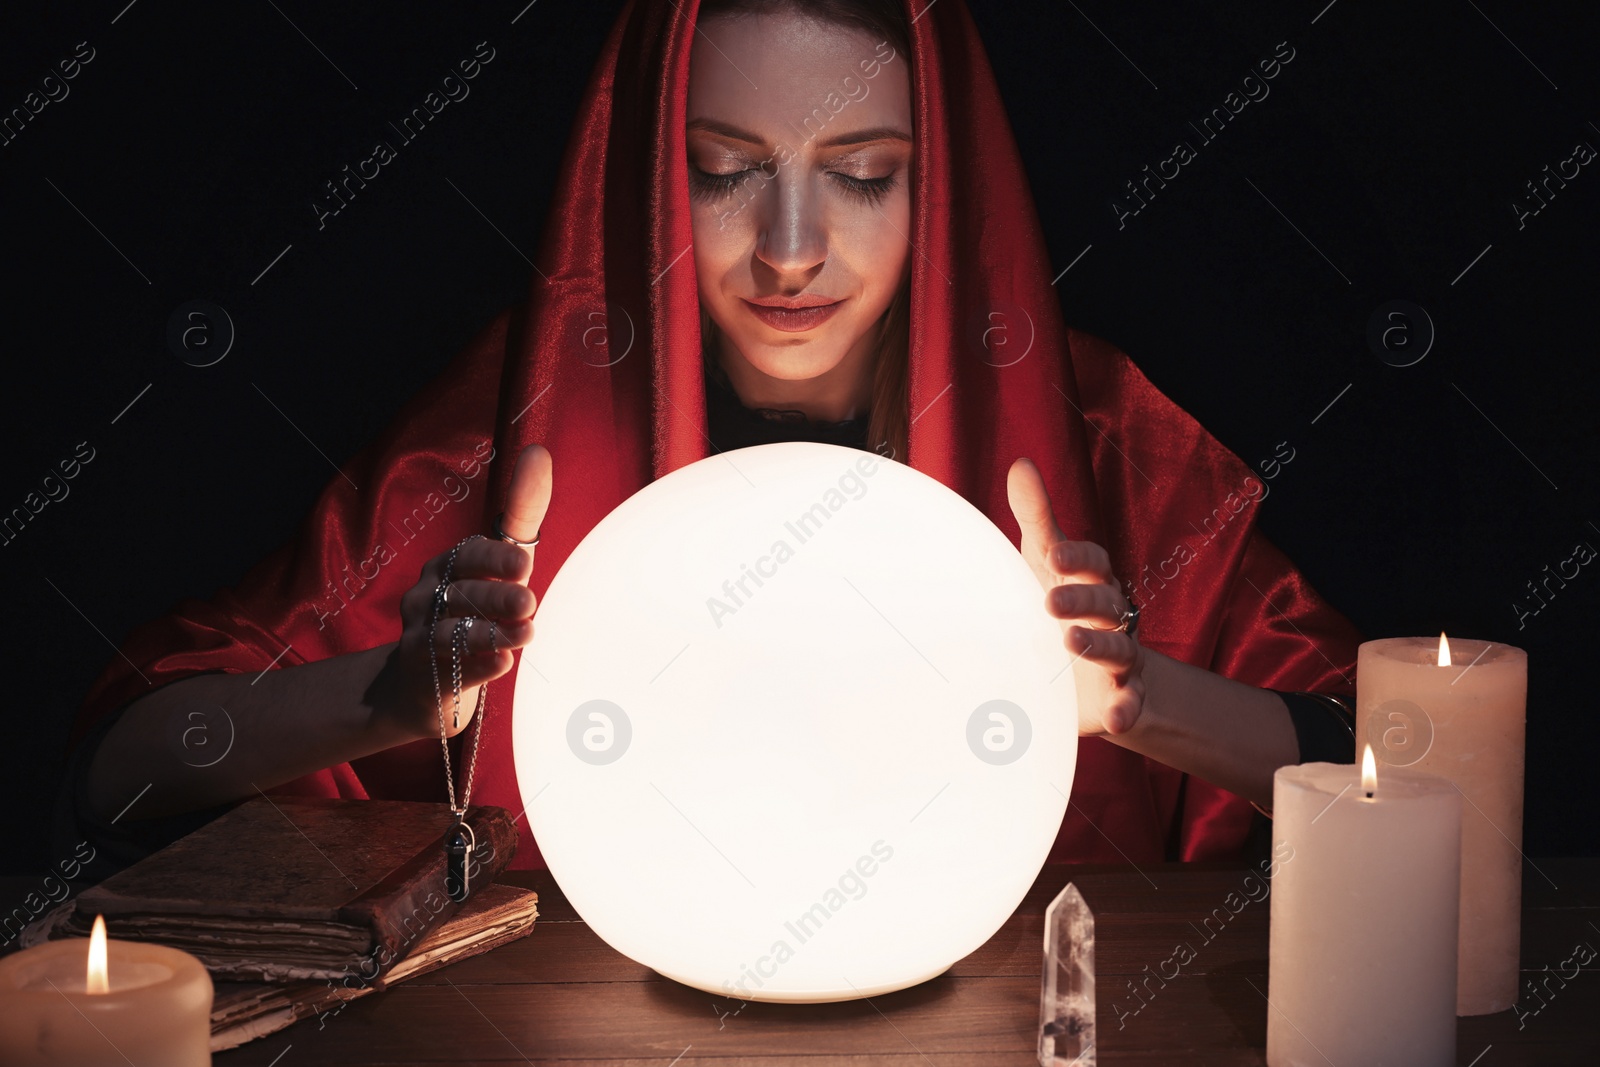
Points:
x=1460 y=712
x=94 y=1003
x=1363 y=927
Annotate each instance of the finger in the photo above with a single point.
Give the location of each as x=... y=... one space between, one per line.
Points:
x=1081 y=561
x=489 y=557
x=1030 y=503
x=505 y=601
x=529 y=496
x=1099 y=605
x=1122 y=717
x=476 y=670
x=505 y=635
x=480 y=556
x=1111 y=649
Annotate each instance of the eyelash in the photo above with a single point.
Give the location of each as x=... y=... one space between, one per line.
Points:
x=704 y=186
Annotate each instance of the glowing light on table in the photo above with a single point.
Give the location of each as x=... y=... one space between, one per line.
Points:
x=795 y=725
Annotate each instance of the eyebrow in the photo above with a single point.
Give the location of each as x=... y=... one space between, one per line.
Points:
x=873 y=133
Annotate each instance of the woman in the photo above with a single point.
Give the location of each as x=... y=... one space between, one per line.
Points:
x=852 y=157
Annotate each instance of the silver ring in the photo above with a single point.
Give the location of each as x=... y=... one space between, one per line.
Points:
x=1128 y=621
x=494 y=638
x=500 y=533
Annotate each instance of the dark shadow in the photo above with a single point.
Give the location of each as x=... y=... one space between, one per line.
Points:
x=1226 y=988
x=670 y=995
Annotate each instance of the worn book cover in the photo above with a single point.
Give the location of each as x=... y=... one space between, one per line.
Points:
x=244 y=1011
x=296 y=888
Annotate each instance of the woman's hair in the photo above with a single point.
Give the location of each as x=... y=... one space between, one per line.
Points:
x=888 y=426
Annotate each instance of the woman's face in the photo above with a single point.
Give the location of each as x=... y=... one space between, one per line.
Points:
x=799 y=143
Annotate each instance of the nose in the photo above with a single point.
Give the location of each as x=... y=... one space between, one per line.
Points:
x=793 y=239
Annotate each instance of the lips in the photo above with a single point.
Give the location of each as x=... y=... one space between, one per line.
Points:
x=796 y=314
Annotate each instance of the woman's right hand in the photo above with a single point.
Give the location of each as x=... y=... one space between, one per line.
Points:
x=490 y=581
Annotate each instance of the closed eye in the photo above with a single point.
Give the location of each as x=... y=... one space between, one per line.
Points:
x=707 y=186
x=868 y=190
x=704 y=186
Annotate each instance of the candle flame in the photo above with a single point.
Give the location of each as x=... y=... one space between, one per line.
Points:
x=1369 y=772
x=1444 y=650
x=97 y=980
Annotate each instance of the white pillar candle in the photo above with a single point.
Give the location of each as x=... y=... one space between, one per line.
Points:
x=151 y=1006
x=1462 y=716
x=1363 y=927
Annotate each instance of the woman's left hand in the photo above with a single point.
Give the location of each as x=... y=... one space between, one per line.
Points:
x=1082 y=592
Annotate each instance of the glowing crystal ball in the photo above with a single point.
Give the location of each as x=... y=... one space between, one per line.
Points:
x=795 y=725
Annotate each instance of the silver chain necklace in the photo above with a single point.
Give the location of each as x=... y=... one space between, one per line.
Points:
x=459 y=842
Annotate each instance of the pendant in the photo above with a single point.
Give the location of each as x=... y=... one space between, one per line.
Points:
x=459 y=844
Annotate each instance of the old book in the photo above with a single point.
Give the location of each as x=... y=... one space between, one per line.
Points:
x=287 y=889
x=244 y=1011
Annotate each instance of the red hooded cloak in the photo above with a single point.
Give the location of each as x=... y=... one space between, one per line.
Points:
x=602 y=365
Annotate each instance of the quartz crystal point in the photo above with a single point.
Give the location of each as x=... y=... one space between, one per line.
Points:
x=1066 y=1006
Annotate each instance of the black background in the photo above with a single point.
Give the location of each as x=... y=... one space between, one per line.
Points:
x=1383 y=163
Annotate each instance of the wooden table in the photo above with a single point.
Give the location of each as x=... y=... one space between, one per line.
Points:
x=563 y=997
